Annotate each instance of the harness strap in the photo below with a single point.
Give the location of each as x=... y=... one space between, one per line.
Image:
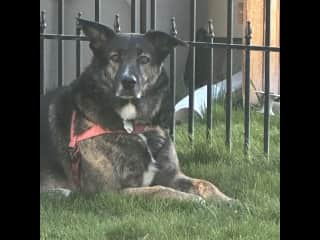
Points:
x=75 y=157
x=94 y=131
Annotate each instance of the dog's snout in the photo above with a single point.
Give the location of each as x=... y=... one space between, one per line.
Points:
x=128 y=82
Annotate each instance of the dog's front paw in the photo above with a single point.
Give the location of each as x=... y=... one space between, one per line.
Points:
x=208 y=191
x=161 y=192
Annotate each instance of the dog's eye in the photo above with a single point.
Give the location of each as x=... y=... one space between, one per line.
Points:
x=115 y=58
x=143 y=60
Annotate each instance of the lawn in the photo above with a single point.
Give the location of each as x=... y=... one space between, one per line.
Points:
x=253 y=180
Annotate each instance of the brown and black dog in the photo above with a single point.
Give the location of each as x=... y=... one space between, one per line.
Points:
x=107 y=130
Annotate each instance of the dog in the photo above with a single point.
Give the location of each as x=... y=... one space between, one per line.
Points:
x=107 y=130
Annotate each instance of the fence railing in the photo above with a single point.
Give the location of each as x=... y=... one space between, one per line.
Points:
x=229 y=45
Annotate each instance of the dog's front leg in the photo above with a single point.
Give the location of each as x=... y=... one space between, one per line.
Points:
x=161 y=192
x=171 y=176
x=200 y=187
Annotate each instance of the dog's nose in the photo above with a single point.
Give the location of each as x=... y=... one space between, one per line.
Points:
x=128 y=82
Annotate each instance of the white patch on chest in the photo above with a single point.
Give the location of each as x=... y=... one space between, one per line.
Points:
x=127 y=112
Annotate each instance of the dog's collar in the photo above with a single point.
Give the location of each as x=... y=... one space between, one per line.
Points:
x=94 y=131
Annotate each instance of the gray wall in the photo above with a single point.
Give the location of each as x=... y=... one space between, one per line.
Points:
x=217 y=10
x=165 y=10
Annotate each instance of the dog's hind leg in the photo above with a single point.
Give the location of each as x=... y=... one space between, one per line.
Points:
x=58 y=191
x=54 y=184
x=161 y=192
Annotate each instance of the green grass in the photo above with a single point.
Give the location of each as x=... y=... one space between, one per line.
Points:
x=253 y=180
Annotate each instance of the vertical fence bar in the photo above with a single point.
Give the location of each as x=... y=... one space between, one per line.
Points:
x=193 y=6
x=247 y=91
x=97 y=10
x=229 y=75
x=60 y=42
x=209 y=85
x=266 y=137
x=78 y=47
x=153 y=14
x=174 y=33
x=143 y=16
x=43 y=26
x=133 y=16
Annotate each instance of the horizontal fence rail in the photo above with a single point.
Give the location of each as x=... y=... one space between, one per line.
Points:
x=233 y=46
x=190 y=43
x=193 y=44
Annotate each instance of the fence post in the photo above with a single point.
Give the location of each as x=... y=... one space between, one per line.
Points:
x=247 y=90
x=153 y=14
x=78 y=47
x=97 y=10
x=192 y=79
x=229 y=76
x=60 y=42
x=209 y=84
x=266 y=135
x=143 y=16
x=133 y=16
x=43 y=25
x=174 y=33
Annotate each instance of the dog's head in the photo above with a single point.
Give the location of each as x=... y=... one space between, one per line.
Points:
x=129 y=63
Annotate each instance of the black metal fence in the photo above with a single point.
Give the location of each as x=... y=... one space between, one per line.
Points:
x=229 y=45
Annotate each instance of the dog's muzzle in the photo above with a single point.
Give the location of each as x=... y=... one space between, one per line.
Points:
x=128 y=88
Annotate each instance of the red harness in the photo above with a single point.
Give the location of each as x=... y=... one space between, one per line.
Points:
x=94 y=131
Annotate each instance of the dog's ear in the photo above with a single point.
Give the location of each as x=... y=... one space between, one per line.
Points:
x=97 y=33
x=163 y=42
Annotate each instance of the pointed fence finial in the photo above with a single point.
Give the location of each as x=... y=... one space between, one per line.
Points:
x=248 y=32
x=174 y=31
x=43 y=23
x=116 y=24
x=210 y=29
x=78 y=25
